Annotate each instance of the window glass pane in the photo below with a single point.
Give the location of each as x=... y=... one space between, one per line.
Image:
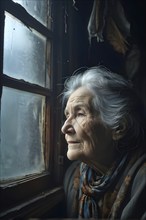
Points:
x=39 y=9
x=24 y=52
x=22 y=123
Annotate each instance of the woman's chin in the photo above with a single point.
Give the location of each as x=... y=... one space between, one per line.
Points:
x=73 y=154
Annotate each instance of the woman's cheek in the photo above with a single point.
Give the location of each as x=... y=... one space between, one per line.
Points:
x=84 y=123
x=88 y=130
x=93 y=130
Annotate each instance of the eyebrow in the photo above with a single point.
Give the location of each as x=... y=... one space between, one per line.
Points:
x=76 y=107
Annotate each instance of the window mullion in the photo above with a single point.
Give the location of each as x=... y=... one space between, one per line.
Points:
x=24 y=86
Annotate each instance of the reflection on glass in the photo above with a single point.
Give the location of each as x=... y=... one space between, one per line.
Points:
x=21 y=134
x=24 y=52
x=39 y=9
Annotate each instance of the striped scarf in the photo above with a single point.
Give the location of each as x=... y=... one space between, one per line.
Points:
x=93 y=186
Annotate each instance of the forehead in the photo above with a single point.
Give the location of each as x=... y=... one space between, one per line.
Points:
x=80 y=96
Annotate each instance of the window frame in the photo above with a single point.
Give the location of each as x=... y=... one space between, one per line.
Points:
x=47 y=184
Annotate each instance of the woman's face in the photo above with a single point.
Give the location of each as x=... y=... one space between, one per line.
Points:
x=87 y=138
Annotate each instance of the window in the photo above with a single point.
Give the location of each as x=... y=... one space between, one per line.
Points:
x=30 y=79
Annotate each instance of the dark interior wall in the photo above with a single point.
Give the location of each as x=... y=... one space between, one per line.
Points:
x=77 y=16
x=81 y=53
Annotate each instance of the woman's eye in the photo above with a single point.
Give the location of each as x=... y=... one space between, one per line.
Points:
x=80 y=114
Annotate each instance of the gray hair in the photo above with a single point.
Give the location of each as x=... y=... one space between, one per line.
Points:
x=113 y=98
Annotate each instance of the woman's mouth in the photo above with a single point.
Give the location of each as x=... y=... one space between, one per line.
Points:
x=73 y=142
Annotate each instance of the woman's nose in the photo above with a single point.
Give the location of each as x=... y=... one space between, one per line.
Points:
x=67 y=127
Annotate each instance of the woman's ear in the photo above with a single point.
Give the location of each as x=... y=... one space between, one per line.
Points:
x=119 y=132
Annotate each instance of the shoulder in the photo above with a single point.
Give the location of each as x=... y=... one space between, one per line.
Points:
x=71 y=189
x=139 y=182
x=135 y=206
x=71 y=176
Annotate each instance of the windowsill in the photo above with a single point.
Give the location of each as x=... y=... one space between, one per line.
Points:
x=36 y=206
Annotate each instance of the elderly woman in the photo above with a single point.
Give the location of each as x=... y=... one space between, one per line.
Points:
x=105 y=135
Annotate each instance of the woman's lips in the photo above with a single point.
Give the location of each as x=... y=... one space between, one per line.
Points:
x=73 y=142
x=73 y=145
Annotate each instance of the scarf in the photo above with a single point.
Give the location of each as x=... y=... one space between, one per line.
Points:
x=93 y=186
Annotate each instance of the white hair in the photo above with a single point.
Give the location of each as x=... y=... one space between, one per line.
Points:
x=113 y=97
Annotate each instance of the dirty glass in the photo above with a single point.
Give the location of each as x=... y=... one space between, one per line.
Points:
x=39 y=9
x=24 y=52
x=22 y=124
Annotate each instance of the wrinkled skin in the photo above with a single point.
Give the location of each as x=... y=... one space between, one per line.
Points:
x=87 y=137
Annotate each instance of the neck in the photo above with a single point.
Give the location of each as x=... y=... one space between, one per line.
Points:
x=102 y=166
